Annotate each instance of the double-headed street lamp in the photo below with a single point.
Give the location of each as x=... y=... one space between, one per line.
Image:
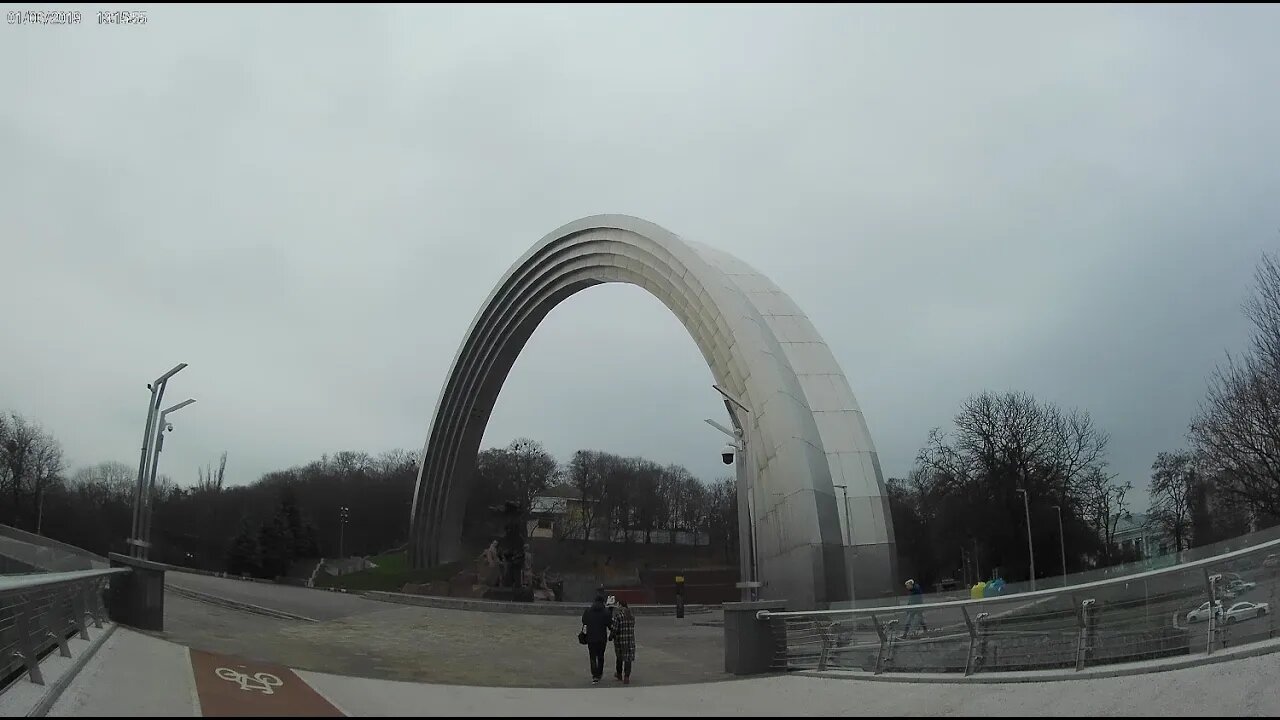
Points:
x=344 y=513
x=736 y=450
x=1062 y=545
x=1031 y=551
x=138 y=544
x=161 y=428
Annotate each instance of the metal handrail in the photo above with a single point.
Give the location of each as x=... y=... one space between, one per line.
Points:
x=1146 y=615
x=41 y=611
x=11 y=584
x=1035 y=594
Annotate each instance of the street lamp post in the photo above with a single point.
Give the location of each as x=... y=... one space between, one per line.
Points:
x=344 y=513
x=848 y=540
x=148 y=436
x=161 y=427
x=746 y=511
x=1062 y=545
x=1031 y=551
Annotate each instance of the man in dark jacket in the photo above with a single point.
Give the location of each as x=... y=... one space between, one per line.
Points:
x=915 y=596
x=595 y=623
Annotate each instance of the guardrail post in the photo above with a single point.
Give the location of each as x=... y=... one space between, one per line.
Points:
x=977 y=641
x=79 y=608
x=57 y=619
x=1087 y=625
x=888 y=641
x=96 y=593
x=26 y=645
x=828 y=632
x=982 y=624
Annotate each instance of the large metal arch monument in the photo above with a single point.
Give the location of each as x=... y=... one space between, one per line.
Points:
x=805 y=433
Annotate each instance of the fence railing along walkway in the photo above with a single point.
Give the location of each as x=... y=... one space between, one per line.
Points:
x=1196 y=607
x=39 y=612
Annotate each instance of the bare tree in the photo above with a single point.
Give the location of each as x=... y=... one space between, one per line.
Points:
x=585 y=474
x=209 y=480
x=680 y=490
x=115 y=478
x=1077 y=447
x=533 y=470
x=350 y=462
x=1104 y=504
x=651 y=507
x=695 y=508
x=1263 y=310
x=394 y=461
x=722 y=516
x=619 y=499
x=1173 y=489
x=1237 y=430
x=30 y=462
x=1238 y=433
x=965 y=489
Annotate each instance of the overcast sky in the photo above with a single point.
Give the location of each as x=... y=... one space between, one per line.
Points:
x=309 y=205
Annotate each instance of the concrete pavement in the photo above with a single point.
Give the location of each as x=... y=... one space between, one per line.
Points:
x=422 y=644
x=317 y=604
x=135 y=675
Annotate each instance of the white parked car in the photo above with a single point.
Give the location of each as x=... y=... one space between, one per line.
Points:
x=1246 y=610
x=1201 y=613
x=1240 y=587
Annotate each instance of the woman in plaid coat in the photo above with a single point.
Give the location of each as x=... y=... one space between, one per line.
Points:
x=623 y=629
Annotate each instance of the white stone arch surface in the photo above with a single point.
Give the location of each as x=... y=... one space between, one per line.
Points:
x=806 y=433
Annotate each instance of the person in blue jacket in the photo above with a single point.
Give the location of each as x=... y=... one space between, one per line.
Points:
x=915 y=596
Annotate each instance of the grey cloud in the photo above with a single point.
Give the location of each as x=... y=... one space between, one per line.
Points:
x=309 y=205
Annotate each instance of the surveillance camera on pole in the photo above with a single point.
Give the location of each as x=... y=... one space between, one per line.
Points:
x=144 y=524
x=136 y=541
x=739 y=413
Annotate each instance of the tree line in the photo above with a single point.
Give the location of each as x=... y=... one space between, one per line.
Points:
x=262 y=527
x=628 y=500
x=962 y=511
x=1227 y=480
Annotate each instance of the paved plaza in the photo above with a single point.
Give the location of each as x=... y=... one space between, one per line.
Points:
x=369 y=639
x=183 y=683
x=369 y=658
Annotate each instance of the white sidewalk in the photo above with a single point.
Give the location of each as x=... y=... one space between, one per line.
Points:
x=136 y=675
x=132 y=675
x=1239 y=688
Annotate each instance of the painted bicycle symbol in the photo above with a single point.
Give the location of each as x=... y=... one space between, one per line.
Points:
x=262 y=682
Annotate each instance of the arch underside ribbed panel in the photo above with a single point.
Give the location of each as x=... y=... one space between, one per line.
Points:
x=805 y=428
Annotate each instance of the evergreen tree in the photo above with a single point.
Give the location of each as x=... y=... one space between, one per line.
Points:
x=277 y=546
x=244 y=557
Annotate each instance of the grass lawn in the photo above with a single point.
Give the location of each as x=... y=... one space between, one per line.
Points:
x=391 y=575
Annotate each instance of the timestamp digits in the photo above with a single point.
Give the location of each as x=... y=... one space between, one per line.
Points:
x=122 y=17
x=42 y=17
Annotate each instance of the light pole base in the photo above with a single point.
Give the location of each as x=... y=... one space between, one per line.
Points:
x=753 y=646
x=137 y=599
